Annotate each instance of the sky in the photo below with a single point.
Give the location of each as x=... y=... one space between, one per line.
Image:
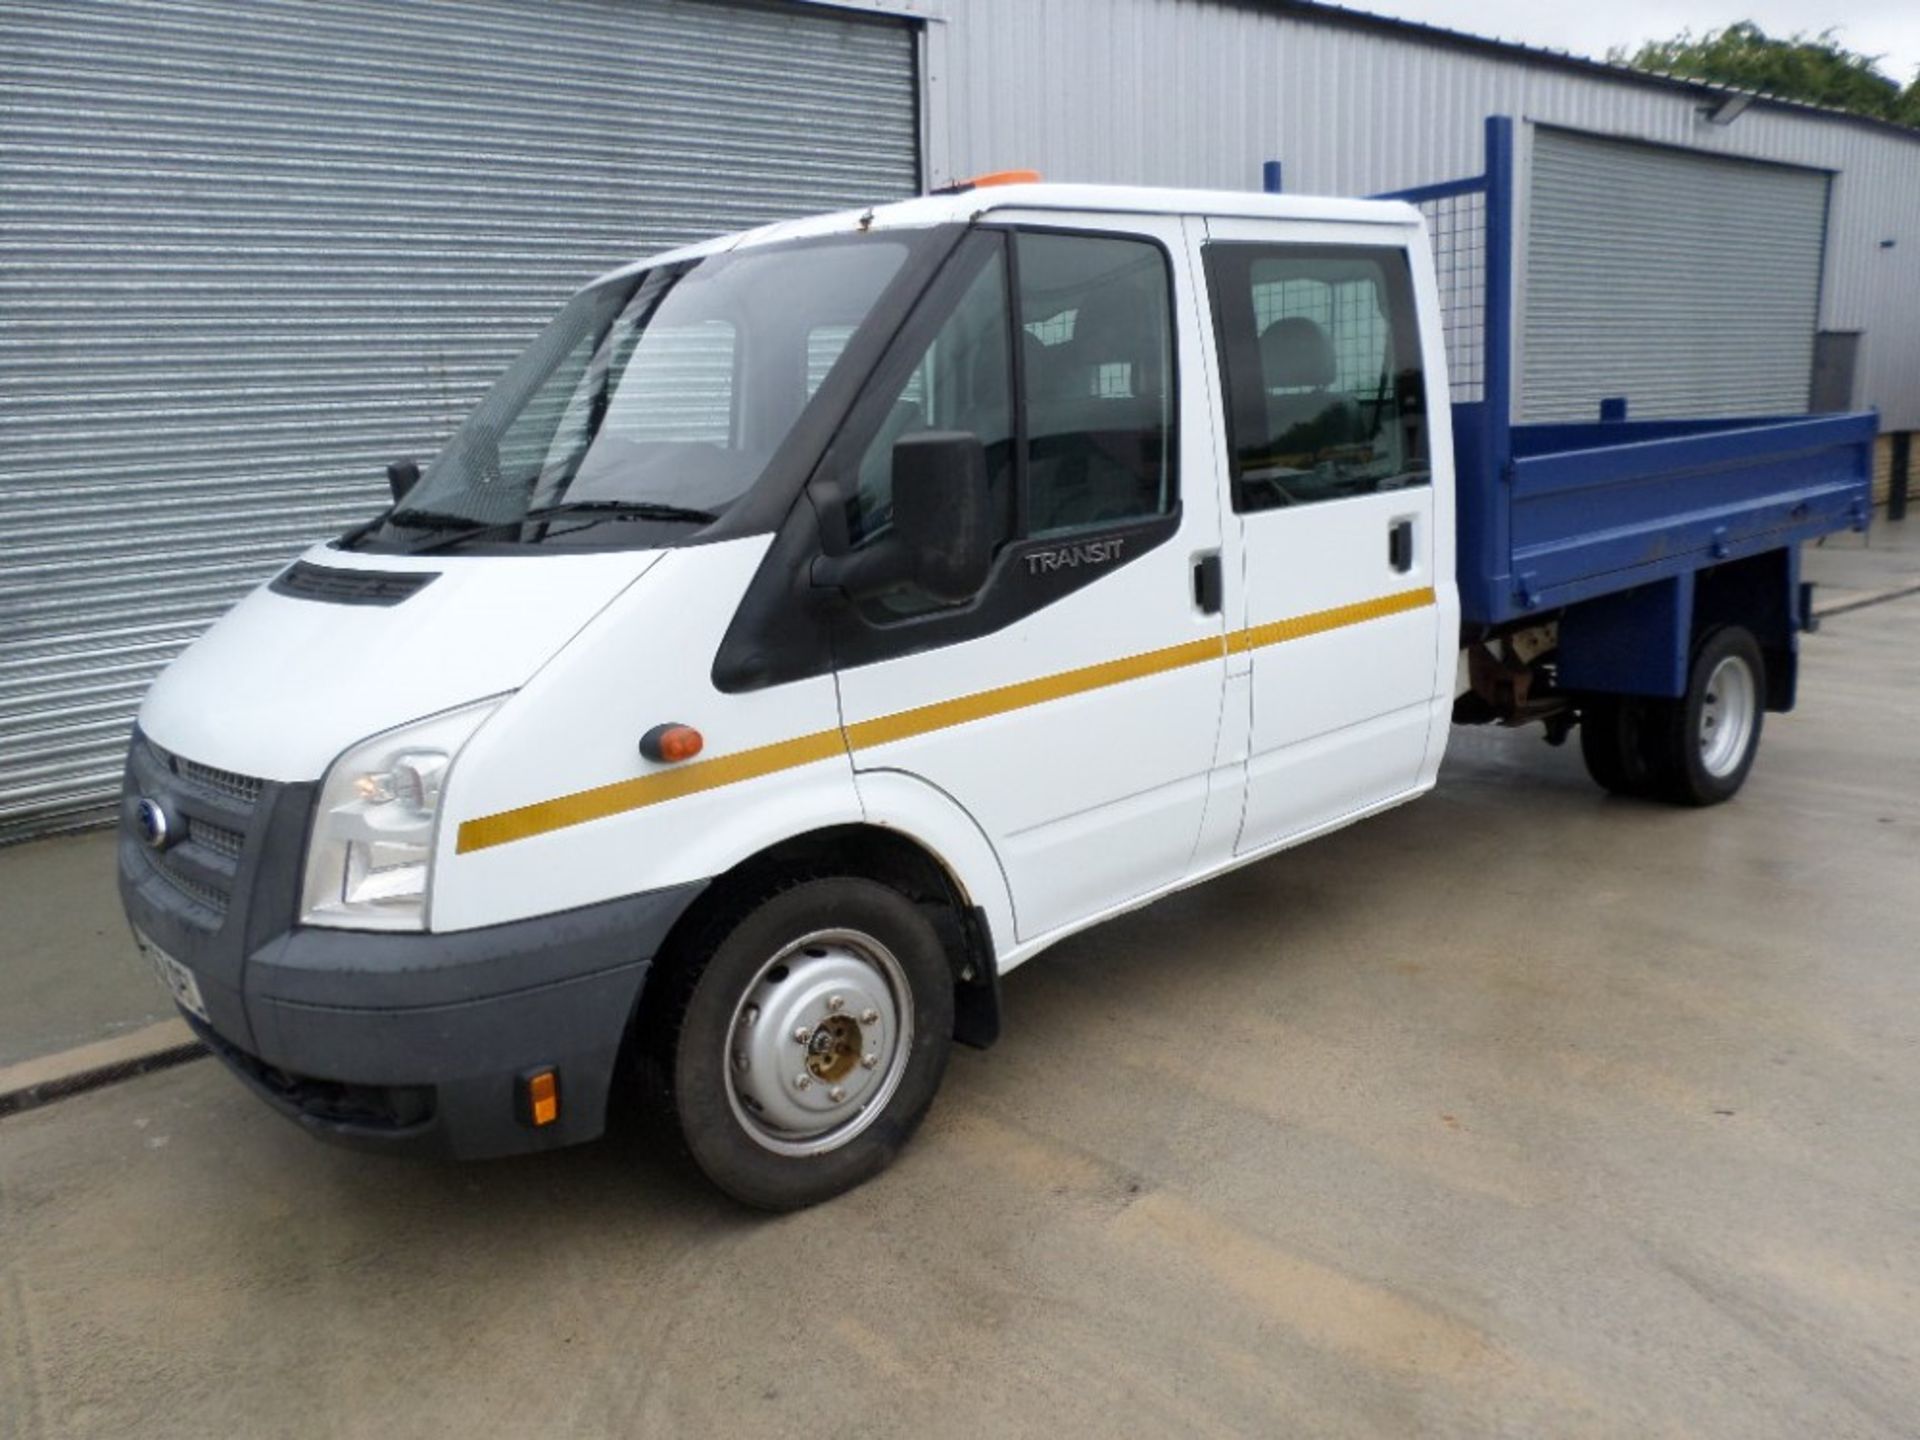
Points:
x=1874 y=27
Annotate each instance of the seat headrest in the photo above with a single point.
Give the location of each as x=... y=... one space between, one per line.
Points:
x=1296 y=354
x=1117 y=332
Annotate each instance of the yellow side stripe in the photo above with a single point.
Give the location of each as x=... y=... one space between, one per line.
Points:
x=1277 y=632
x=643 y=790
x=662 y=785
x=942 y=714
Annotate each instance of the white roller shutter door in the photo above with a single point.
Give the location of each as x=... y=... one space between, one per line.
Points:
x=250 y=252
x=1688 y=283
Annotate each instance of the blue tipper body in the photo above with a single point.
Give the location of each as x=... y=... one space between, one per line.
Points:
x=1607 y=525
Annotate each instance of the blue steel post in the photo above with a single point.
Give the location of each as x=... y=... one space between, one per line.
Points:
x=1270 y=177
x=1496 y=413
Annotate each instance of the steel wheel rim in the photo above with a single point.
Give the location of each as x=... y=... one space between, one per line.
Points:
x=1727 y=714
x=830 y=1014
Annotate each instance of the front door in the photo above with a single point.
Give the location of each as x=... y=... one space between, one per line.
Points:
x=1072 y=707
x=1319 y=351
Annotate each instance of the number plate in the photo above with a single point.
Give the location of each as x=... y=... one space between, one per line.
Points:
x=176 y=977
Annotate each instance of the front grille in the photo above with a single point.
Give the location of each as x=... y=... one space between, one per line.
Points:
x=217 y=838
x=243 y=788
x=197 y=891
x=214 y=813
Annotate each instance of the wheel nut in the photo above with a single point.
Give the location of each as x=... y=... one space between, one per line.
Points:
x=869 y=1017
x=836 y=1094
x=803 y=1081
x=836 y=1002
x=868 y=1061
x=801 y=1034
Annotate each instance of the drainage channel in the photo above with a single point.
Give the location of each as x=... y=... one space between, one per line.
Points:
x=1878 y=597
x=34 y=1094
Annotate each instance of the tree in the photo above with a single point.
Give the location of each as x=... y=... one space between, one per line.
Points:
x=1814 y=68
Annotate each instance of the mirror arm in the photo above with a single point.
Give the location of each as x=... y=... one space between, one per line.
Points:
x=861 y=573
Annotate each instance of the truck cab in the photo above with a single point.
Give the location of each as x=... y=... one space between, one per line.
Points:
x=811 y=626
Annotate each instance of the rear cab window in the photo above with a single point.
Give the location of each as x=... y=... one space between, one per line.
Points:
x=1320 y=357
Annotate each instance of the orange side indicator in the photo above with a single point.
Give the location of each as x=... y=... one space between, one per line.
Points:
x=669 y=744
x=543 y=1097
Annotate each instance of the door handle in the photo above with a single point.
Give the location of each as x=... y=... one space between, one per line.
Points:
x=1209 y=583
x=1400 y=545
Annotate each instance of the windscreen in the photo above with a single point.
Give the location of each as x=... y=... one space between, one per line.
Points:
x=658 y=396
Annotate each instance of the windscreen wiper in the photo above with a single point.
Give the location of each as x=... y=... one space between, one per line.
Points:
x=624 y=510
x=462 y=528
x=456 y=529
x=439 y=520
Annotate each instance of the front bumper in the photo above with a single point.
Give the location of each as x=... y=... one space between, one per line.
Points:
x=398 y=1042
x=417 y=1042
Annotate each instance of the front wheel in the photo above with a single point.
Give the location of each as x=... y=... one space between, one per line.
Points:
x=811 y=1042
x=1702 y=745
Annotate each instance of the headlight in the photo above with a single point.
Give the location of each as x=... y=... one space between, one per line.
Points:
x=370 y=856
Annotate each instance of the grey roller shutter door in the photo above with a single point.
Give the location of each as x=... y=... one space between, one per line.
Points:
x=1688 y=283
x=250 y=252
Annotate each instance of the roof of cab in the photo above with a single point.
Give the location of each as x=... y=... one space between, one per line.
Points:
x=947 y=207
x=960 y=206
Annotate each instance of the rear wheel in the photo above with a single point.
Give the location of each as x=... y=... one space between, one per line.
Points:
x=810 y=1043
x=1612 y=744
x=1702 y=745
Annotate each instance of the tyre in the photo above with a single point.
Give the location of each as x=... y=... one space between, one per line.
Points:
x=1612 y=744
x=804 y=1048
x=1702 y=745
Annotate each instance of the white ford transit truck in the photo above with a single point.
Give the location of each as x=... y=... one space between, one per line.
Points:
x=818 y=622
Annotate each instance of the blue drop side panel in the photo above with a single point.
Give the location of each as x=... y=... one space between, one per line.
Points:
x=1553 y=437
x=1550 y=516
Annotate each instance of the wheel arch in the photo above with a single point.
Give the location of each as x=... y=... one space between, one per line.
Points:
x=878 y=852
x=1761 y=595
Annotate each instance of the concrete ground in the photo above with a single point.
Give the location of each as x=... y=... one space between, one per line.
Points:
x=71 y=970
x=1519 y=1111
x=1848 y=568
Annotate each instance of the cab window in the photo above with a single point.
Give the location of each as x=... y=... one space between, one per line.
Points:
x=1091 y=442
x=962 y=380
x=1096 y=340
x=1319 y=349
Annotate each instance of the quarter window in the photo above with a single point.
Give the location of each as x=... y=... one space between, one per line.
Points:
x=1320 y=353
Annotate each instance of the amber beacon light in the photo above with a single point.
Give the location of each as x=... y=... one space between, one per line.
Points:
x=991 y=178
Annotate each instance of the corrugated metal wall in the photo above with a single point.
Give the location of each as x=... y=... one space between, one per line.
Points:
x=251 y=250
x=1199 y=92
x=1689 y=284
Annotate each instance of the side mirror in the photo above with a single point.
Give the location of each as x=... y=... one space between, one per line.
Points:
x=402 y=476
x=942 y=536
x=943 y=512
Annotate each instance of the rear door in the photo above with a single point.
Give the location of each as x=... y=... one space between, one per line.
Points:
x=1318 y=343
x=1072 y=707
